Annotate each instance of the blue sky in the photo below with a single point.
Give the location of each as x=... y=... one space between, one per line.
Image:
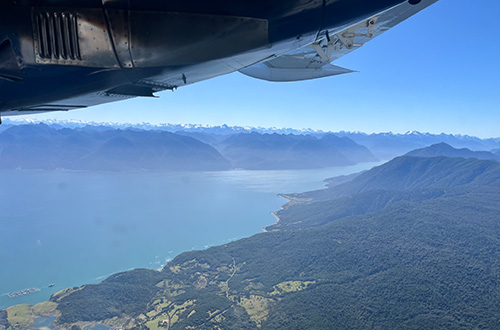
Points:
x=437 y=72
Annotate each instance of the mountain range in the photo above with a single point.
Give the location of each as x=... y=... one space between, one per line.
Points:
x=41 y=146
x=382 y=145
x=389 y=145
x=257 y=151
x=299 y=148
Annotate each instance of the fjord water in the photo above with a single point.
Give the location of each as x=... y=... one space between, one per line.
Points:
x=74 y=228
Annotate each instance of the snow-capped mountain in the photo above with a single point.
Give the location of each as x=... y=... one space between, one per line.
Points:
x=383 y=145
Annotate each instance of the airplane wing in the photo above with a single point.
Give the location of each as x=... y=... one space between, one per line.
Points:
x=120 y=93
x=313 y=61
x=73 y=103
x=60 y=58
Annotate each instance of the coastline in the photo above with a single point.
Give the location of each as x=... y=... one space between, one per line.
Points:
x=296 y=181
x=275 y=213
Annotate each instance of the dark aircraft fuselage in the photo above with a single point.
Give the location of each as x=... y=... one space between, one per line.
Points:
x=69 y=54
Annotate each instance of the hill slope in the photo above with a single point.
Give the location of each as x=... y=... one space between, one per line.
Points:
x=443 y=149
x=389 y=145
x=257 y=151
x=410 y=173
x=42 y=147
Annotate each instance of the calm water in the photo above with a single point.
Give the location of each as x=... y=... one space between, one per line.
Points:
x=70 y=228
x=43 y=322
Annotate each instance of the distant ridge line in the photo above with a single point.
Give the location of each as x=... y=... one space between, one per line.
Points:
x=189 y=127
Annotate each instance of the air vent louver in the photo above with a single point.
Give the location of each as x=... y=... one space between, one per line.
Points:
x=57 y=36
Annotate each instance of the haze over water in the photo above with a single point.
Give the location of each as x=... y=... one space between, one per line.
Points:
x=74 y=228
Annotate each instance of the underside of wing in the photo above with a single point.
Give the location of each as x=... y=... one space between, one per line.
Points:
x=119 y=93
x=314 y=61
x=73 y=103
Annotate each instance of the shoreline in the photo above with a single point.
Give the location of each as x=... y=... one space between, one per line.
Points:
x=269 y=227
x=275 y=213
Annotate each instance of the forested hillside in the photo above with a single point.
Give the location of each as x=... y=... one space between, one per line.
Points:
x=257 y=151
x=444 y=149
x=43 y=147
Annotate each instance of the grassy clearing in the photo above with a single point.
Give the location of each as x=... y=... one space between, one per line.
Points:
x=20 y=316
x=63 y=293
x=210 y=314
x=120 y=322
x=179 y=309
x=156 y=323
x=46 y=308
x=290 y=286
x=257 y=308
x=175 y=269
x=152 y=314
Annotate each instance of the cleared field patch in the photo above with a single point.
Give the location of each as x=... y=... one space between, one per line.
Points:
x=20 y=316
x=290 y=286
x=46 y=308
x=158 y=323
x=257 y=308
